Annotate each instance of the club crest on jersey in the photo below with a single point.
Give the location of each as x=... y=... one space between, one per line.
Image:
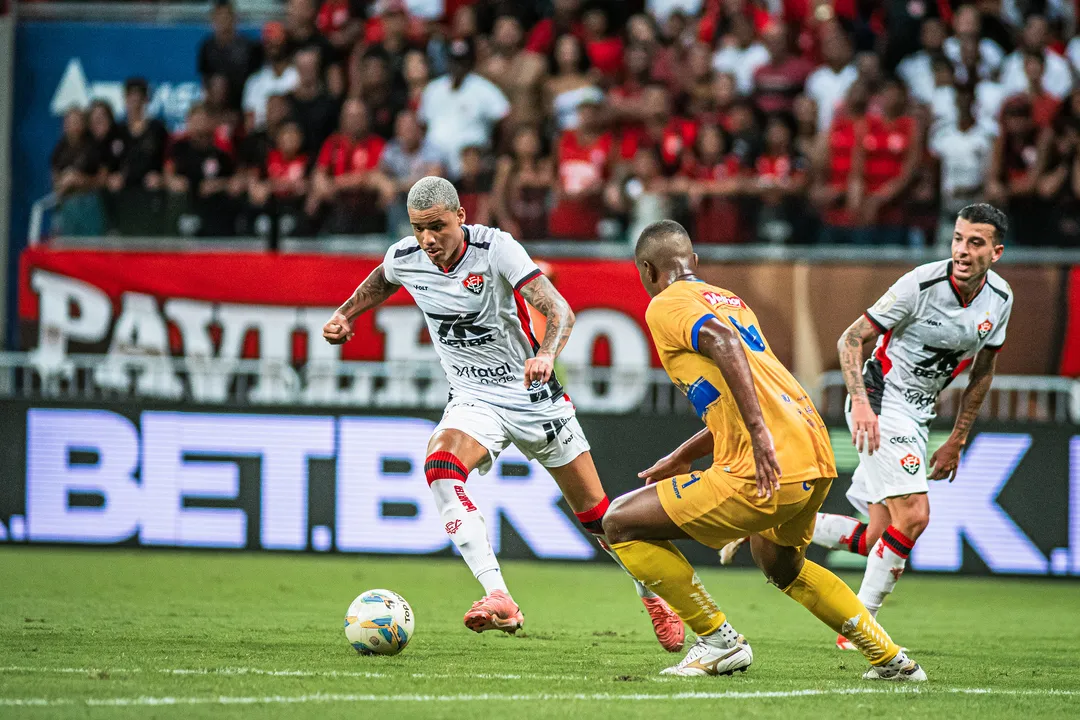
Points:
x=474 y=283
x=910 y=463
x=984 y=329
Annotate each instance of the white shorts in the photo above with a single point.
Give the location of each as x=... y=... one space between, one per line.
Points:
x=548 y=433
x=897 y=467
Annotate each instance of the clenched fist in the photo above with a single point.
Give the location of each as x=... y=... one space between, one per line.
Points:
x=337 y=329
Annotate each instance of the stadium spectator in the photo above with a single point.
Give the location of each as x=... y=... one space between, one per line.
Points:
x=406 y=159
x=228 y=53
x=201 y=173
x=277 y=76
x=279 y=190
x=834 y=192
x=777 y=82
x=625 y=98
x=565 y=19
x=301 y=33
x=228 y=126
x=516 y=72
x=642 y=30
x=416 y=74
x=584 y=158
x=461 y=108
x=984 y=55
x=740 y=53
x=670 y=134
x=379 y=89
x=390 y=31
x=145 y=137
x=475 y=183
x=744 y=132
x=715 y=180
x=568 y=83
x=963 y=147
x=643 y=196
x=1044 y=105
x=1056 y=78
x=723 y=97
x=523 y=181
x=888 y=159
x=76 y=176
x=256 y=145
x=806 y=126
x=828 y=85
x=604 y=49
x=1058 y=186
x=1014 y=170
x=917 y=69
x=341 y=22
x=111 y=144
x=311 y=105
x=347 y=186
x=778 y=185
x=696 y=96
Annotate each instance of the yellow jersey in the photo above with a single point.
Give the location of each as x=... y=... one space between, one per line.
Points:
x=675 y=317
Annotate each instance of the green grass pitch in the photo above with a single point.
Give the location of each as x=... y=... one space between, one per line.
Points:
x=88 y=633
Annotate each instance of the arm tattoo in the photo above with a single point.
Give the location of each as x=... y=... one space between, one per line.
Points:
x=851 y=356
x=979 y=382
x=543 y=296
x=374 y=290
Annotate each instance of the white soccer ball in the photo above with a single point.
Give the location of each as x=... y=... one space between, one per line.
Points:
x=379 y=622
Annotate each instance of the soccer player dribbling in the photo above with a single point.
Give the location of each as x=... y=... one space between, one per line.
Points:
x=711 y=346
x=935 y=322
x=472 y=283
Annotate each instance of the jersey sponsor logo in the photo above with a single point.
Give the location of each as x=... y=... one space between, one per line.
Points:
x=984 y=328
x=554 y=427
x=461 y=330
x=903 y=440
x=421 y=287
x=920 y=400
x=931 y=322
x=910 y=463
x=941 y=362
x=486 y=375
x=717 y=300
x=465 y=501
x=474 y=283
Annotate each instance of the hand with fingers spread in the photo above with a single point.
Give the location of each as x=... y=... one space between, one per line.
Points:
x=945 y=462
x=539 y=369
x=666 y=467
x=865 y=435
x=337 y=329
x=766 y=466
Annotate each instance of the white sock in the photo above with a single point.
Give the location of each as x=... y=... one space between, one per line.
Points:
x=642 y=591
x=465 y=525
x=884 y=566
x=724 y=638
x=838 y=532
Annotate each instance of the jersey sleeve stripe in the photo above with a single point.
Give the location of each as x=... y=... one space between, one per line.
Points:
x=696 y=330
x=875 y=322
x=1004 y=295
x=994 y=348
x=528 y=279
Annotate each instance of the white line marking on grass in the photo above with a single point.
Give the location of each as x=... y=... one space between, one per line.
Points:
x=494 y=697
x=295 y=673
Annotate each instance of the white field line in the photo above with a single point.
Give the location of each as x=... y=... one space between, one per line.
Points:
x=17 y=669
x=495 y=697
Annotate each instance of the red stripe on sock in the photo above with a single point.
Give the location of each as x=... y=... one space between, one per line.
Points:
x=595 y=513
x=901 y=537
x=862 y=550
x=897 y=541
x=444 y=465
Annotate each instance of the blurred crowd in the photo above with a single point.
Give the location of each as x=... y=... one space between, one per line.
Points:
x=780 y=121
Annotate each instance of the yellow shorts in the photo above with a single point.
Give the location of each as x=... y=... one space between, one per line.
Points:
x=716 y=508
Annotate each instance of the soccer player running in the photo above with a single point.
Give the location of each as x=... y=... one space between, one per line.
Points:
x=934 y=322
x=472 y=283
x=711 y=347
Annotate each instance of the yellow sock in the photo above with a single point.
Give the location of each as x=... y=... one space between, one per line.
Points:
x=664 y=570
x=833 y=603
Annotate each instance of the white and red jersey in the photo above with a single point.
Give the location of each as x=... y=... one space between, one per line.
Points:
x=478 y=321
x=930 y=336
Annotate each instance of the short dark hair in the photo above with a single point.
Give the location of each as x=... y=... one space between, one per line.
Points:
x=137 y=83
x=655 y=234
x=989 y=215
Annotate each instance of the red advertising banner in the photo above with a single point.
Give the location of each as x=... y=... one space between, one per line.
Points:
x=1070 y=352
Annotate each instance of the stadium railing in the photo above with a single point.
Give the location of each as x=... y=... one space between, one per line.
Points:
x=42 y=375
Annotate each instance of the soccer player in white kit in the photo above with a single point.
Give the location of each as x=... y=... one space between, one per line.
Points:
x=934 y=323
x=472 y=283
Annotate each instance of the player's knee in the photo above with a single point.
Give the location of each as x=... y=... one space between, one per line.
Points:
x=616 y=529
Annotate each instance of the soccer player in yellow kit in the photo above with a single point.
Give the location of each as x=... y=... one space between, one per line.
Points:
x=712 y=348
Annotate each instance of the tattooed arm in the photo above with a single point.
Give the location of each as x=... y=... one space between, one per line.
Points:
x=944 y=462
x=851 y=360
x=373 y=291
x=543 y=296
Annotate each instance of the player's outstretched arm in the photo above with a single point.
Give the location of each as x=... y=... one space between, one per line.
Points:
x=865 y=430
x=679 y=461
x=721 y=344
x=945 y=461
x=543 y=296
x=373 y=291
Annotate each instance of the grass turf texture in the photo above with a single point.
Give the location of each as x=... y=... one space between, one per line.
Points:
x=131 y=629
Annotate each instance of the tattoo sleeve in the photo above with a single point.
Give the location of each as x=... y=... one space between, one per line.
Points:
x=851 y=356
x=979 y=382
x=373 y=291
x=543 y=296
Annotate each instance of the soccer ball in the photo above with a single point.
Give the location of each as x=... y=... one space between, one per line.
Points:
x=379 y=622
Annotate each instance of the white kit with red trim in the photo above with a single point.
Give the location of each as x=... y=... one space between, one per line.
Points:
x=930 y=336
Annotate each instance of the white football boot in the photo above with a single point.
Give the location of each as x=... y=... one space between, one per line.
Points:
x=704 y=659
x=899 y=669
x=727 y=553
